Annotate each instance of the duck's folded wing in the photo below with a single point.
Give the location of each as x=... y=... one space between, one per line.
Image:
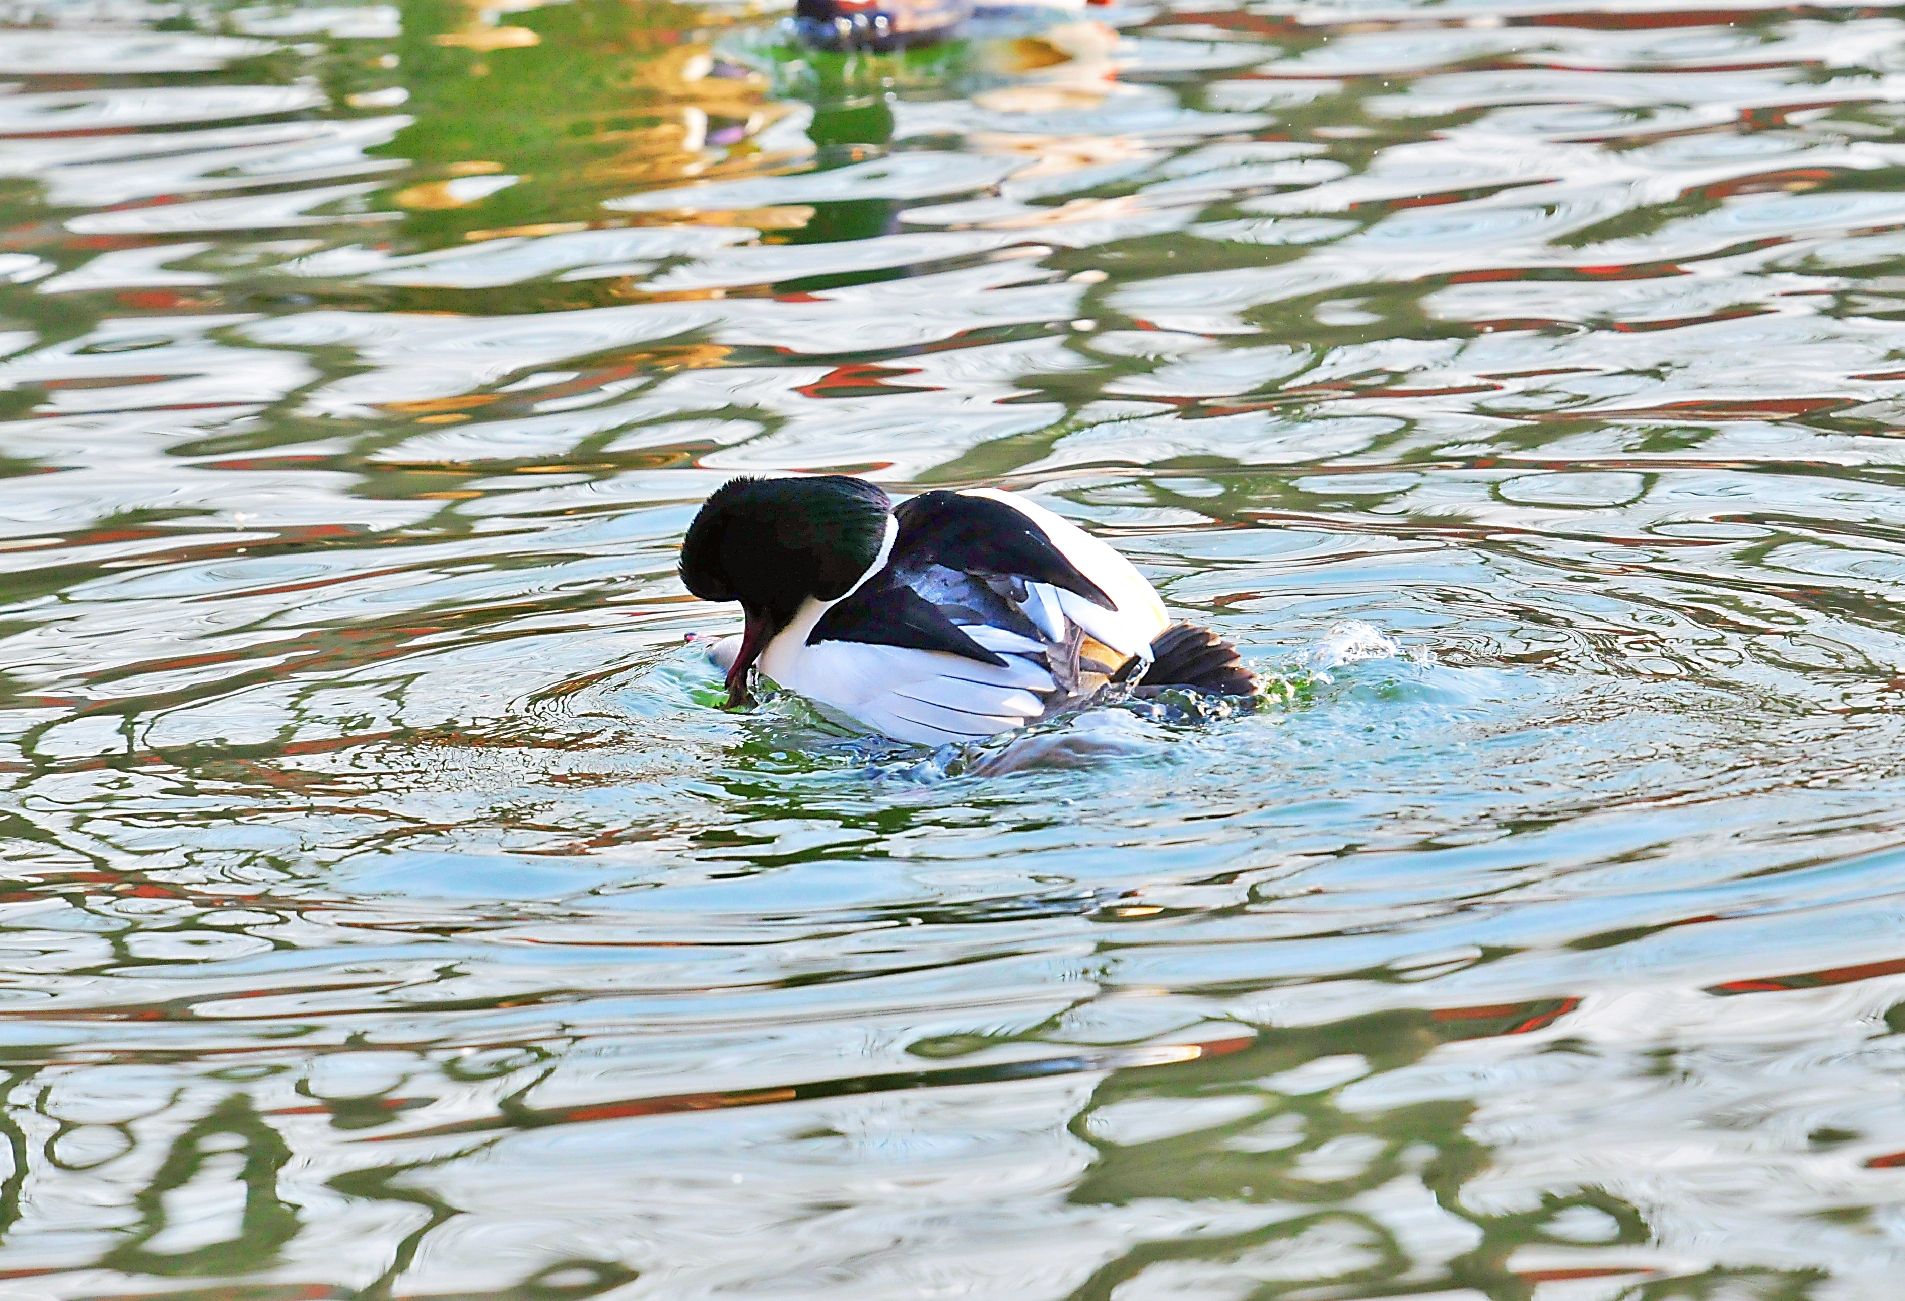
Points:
x=1054 y=572
x=990 y=534
x=886 y=613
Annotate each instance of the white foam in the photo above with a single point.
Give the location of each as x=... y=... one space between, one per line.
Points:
x=1350 y=642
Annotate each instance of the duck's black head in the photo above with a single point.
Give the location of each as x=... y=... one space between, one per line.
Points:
x=772 y=543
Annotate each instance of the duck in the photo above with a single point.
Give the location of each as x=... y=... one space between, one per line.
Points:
x=884 y=26
x=951 y=617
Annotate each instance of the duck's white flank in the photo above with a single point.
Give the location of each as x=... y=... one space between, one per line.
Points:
x=932 y=697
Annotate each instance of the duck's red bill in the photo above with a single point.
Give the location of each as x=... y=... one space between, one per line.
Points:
x=753 y=642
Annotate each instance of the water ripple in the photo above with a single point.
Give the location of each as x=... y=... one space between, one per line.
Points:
x=390 y=911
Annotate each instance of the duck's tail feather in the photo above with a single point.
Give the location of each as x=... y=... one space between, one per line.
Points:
x=1185 y=655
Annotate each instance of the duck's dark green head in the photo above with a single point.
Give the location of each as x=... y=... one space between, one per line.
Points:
x=770 y=544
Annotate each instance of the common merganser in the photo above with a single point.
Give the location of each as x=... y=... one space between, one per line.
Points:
x=952 y=617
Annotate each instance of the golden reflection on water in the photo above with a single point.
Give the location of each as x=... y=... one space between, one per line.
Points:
x=617 y=95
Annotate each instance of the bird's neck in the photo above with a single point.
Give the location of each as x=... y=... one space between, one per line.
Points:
x=786 y=644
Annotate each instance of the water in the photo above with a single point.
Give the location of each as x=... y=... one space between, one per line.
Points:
x=387 y=913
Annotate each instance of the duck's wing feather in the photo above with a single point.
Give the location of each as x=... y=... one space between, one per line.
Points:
x=891 y=614
x=1130 y=614
x=990 y=535
x=990 y=612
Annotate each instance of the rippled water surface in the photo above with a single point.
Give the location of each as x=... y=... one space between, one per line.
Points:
x=387 y=911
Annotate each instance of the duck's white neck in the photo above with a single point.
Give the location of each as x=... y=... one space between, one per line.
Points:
x=787 y=642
